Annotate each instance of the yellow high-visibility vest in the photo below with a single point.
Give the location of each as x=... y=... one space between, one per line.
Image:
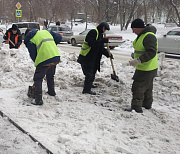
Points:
x=139 y=50
x=46 y=47
x=85 y=47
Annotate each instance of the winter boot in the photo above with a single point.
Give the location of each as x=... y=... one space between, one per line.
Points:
x=94 y=86
x=38 y=99
x=31 y=92
x=138 y=109
x=89 y=92
x=146 y=107
x=87 y=89
x=51 y=92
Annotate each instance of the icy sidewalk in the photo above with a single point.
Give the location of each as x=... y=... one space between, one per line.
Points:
x=13 y=141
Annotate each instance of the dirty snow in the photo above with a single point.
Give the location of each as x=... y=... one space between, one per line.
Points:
x=72 y=123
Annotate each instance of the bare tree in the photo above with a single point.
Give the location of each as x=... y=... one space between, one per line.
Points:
x=72 y=8
x=133 y=7
x=122 y=13
x=85 y=5
x=145 y=11
x=151 y=10
x=113 y=11
x=174 y=5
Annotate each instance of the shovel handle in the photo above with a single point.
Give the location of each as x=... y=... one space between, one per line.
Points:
x=108 y=49
x=107 y=45
x=8 y=38
x=11 y=42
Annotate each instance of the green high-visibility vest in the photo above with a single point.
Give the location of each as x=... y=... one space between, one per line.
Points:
x=85 y=47
x=46 y=47
x=139 y=50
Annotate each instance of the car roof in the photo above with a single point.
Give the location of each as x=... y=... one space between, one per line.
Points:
x=58 y=26
x=176 y=29
x=25 y=22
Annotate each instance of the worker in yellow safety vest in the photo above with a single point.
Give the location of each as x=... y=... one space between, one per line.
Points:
x=91 y=53
x=146 y=63
x=45 y=54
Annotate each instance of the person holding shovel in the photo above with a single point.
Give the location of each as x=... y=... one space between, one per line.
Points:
x=146 y=63
x=91 y=53
x=44 y=52
x=13 y=37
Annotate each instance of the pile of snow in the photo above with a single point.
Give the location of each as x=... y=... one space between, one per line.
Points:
x=76 y=123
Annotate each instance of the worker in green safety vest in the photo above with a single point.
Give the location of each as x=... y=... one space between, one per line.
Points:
x=91 y=53
x=45 y=54
x=146 y=63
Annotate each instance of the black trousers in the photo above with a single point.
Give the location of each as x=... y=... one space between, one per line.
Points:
x=142 y=93
x=40 y=73
x=89 y=72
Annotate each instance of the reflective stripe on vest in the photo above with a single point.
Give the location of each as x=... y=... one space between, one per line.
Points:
x=16 y=39
x=46 y=47
x=9 y=35
x=139 y=50
x=45 y=40
x=85 y=47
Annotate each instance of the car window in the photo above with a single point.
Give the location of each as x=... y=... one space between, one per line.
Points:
x=22 y=25
x=49 y=29
x=65 y=29
x=174 y=33
x=28 y=25
x=53 y=29
x=33 y=26
x=59 y=29
x=85 y=32
x=178 y=33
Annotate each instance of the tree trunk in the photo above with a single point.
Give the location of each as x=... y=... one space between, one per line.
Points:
x=120 y=14
x=177 y=13
x=131 y=14
x=145 y=12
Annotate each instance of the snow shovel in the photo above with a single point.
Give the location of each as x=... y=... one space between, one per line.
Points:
x=31 y=92
x=113 y=76
x=8 y=38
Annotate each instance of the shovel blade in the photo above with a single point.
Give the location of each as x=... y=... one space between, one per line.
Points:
x=31 y=92
x=115 y=77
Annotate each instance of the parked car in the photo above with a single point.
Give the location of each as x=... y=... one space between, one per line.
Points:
x=64 y=30
x=27 y=25
x=170 y=42
x=114 y=40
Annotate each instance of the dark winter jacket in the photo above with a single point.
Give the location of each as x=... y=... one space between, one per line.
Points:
x=12 y=38
x=93 y=58
x=33 y=50
x=150 y=45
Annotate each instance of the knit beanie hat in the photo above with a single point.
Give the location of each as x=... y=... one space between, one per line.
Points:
x=138 y=23
x=14 y=27
x=104 y=24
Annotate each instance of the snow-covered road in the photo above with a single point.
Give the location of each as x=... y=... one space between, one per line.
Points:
x=120 y=55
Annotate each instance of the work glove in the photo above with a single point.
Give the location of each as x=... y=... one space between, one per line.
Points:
x=125 y=64
x=135 y=62
x=105 y=40
x=16 y=46
x=111 y=56
x=132 y=55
